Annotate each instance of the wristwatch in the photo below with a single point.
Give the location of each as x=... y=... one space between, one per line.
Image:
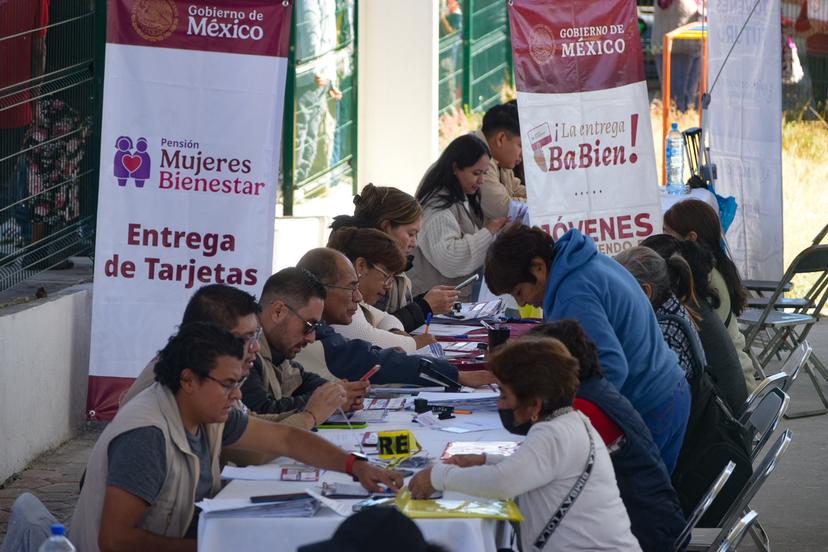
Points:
x=352 y=459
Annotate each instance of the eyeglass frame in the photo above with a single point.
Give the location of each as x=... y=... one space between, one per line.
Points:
x=250 y=342
x=228 y=387
x=388 y=277
x=310 y=327
x=353 y=289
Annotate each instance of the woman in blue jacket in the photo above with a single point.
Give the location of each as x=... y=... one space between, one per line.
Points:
x=571 y=279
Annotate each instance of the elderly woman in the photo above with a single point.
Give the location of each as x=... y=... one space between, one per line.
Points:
x=657 y=277
x=562 y=456
x=571 y=279
x=400 y=216
x=376 y=259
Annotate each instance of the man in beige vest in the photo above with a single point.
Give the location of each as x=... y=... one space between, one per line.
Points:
x=159 y=456
x=501 y=132
x=292 y=301
x=237 y=311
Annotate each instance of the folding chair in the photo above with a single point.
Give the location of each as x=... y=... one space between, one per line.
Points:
x=787 y=330
x=734 y=538
x=703 y=505
x=712 y=539
x=779 y=380
x=791 y=367
x=763 y=419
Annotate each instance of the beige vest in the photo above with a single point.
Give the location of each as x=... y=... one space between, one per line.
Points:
x=423 y=274
x=282 y=379
x=312 y=359
x=143 y=381
x=172 y=512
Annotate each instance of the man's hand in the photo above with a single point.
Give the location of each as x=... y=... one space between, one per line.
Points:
x=466 y=460
x=371 y=477
x=475 y=378
x=441 y=298
x=420 y=484
x=325 y=400
x=355 y=391
x=335 y=93
x=423 y=340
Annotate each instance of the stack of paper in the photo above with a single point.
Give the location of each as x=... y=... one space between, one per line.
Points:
x=242 y=507
x=457 y=331
x=383 y=404
x=501 y=448
x=473 y=311
x=478 y=401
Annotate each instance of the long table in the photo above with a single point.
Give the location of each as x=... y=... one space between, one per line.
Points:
x=253 y=534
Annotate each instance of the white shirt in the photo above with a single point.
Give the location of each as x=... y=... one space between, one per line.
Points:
x=377 y=333
x=540 y=474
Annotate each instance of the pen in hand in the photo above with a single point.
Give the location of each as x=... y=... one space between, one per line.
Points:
x=427 y=322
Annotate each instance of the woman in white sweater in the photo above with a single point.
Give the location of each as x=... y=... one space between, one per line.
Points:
x=562 y=453
x=453 y=242
x=376 y=259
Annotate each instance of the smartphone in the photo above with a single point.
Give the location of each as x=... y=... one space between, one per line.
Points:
x=278 y=497
x=471 y=279
x=370 y=373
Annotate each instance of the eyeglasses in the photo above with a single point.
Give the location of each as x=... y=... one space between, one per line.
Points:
x=251 y=339
x=388 y=277
x=310 y=327
x=228 y=387
x=353 y=289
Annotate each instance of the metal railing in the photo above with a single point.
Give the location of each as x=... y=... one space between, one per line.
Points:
x=50 y=103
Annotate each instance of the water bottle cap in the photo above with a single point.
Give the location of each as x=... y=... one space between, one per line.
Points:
x=58 y=529
x=675 y=126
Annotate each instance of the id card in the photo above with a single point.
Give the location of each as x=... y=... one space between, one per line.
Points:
x=299 y=473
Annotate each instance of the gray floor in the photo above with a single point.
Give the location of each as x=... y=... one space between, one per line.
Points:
x=792 y=505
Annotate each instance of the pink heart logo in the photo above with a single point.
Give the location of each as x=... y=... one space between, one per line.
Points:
x=131 y=162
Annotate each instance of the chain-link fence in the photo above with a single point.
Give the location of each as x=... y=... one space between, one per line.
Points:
x=49 y=121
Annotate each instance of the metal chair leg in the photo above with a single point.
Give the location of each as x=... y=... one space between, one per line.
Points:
x=760 y=536
x=818 y=387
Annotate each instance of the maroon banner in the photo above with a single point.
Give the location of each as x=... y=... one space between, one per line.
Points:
x=104 y=396
x=564 y=46
x=256 y=27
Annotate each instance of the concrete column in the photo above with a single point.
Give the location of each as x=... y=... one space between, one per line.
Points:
x=398 y=91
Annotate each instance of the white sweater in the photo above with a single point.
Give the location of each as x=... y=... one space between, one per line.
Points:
x=540 y=475
x=377 y=331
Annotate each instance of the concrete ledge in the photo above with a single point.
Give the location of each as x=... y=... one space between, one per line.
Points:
x=44 y=363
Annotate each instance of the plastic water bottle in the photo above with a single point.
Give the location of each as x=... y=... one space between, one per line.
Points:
x=57 y=542
x=675 y=162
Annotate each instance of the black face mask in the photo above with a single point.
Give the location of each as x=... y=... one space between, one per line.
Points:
x=507 y=418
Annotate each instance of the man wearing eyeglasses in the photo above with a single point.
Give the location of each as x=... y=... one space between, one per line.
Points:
x=291 y=307
x=159 y=456
x=339 y=357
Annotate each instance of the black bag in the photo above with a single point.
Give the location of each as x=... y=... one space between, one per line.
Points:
x=713 y=438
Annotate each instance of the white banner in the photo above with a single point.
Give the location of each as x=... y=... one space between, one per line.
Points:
x=585 y=120
x=192 y=121
x=746 y=130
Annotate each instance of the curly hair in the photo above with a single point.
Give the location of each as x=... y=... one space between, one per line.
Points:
x=196 y=346
x=509 y=258
x=540 y=368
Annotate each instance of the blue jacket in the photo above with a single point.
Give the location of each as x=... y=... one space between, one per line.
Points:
x=616 y=314
x=351 y=358
x=656 y=517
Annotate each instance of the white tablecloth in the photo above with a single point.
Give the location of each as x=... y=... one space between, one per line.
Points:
x=286 y=534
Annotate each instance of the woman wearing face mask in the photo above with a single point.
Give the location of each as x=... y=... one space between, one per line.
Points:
x=376 y=259
x=455 y=236
x=400 y=216
x=562 y=453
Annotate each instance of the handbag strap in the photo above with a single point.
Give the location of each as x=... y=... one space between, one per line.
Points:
x=567 y=503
